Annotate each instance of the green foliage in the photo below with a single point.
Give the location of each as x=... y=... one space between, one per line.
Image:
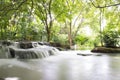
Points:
x=110 y=38
x=38 y=19
x=84 y=41
x=81 y=39
x=60 y=38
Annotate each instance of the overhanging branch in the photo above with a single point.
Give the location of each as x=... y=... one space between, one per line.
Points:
x=104 y=5
x=7 y=10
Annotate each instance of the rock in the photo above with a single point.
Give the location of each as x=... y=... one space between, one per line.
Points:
x=84 y=54
x=106 y=50
x=6 y=42
x=26 y=45
x=2 y=79
x=97 y=54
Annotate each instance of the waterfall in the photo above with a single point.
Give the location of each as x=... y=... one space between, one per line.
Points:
x=24 y=54
x=33 y=53
x=37 y=51
x=3 y=51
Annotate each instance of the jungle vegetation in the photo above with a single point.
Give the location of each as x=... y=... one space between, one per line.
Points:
x=86 y=23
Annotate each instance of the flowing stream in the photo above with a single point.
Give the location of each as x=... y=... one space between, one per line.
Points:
x=65 y=66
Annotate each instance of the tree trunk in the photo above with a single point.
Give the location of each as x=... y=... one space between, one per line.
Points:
x=48 y=35
x=70 y=35
x=101 y=27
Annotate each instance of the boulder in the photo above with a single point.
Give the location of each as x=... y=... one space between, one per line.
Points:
x=106 y=50
x=26 y=45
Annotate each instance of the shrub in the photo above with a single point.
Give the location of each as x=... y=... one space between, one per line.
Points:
x=110 y=38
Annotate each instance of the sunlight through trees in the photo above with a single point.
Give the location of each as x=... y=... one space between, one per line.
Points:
x=59 y=21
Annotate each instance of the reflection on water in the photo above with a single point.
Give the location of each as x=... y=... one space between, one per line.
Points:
x=66 y=66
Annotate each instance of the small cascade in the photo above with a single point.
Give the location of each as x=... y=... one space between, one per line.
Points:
x=3 y=52
x=4 y=48
x=35 y=51
x=27 y=53
x=25 y=50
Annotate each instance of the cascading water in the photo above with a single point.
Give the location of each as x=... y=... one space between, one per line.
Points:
x=3 y=52
x=35 y=51
x=69 y=65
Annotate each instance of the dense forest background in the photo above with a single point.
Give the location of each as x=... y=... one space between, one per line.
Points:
x=86 y=23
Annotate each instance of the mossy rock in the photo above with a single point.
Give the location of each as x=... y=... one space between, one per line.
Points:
x=106 y=50
x=26 y=45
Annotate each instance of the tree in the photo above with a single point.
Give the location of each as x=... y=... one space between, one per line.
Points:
x=48 y=19
x=71 y=16
x=43 y=10
x=109 y=11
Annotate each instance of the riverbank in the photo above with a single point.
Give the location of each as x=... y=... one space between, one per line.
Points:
x=106 y=50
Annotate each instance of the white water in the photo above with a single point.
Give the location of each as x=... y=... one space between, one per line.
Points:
x=65 y=66
x=39 y=51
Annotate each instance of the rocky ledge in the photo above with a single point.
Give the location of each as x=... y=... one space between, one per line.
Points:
x=106 y=50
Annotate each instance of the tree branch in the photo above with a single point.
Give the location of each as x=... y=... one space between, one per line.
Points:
x=104 y=5
x=80 y=24
x=50 y=16
x=77 y=17
x=32 y=6
x=7 y=11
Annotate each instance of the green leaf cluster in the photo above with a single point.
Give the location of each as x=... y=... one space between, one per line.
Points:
x=111 y=38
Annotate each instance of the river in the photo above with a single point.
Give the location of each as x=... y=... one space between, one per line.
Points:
x=65 y=66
